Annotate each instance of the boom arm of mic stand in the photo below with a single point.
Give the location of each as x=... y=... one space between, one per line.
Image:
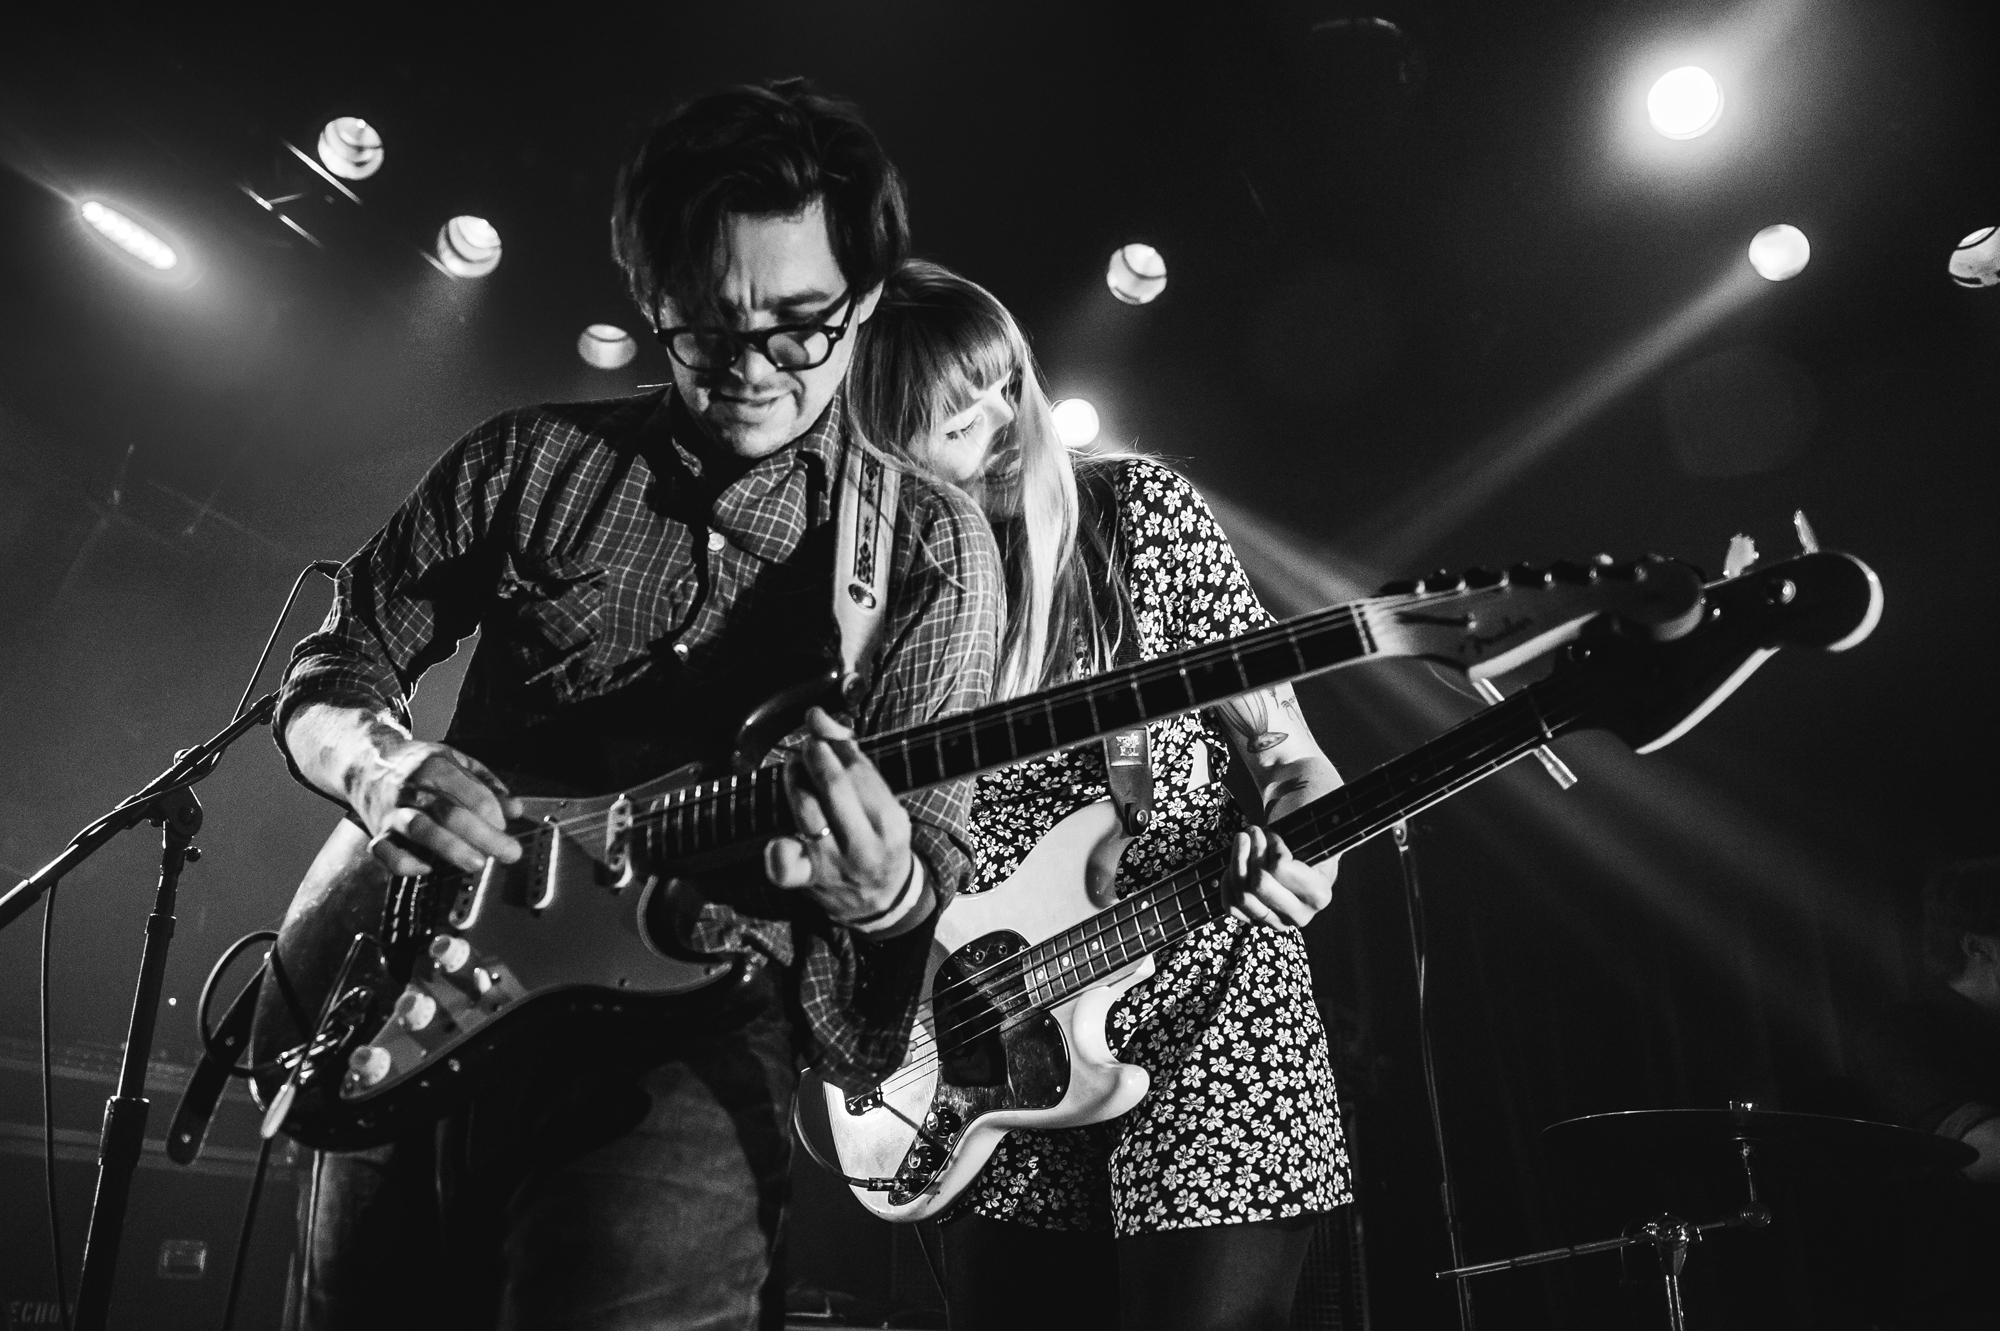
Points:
x=189 y=766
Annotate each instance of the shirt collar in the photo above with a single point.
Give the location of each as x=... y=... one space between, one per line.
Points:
x=769 y=508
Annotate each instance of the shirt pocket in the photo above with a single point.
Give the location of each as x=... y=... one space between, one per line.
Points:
x=555 y=612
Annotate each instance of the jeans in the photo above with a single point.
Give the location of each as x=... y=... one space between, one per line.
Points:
x=615 y=1185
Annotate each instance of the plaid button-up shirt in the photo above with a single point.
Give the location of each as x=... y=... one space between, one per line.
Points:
x=630 y=613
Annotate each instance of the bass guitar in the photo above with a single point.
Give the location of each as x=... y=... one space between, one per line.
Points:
x=391 y=994
x=1011 y=1032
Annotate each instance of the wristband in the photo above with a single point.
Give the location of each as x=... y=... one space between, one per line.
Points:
x=892 y=914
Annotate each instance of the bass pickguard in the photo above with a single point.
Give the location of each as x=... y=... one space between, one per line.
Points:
x=932 y=1124
x=987 y=1062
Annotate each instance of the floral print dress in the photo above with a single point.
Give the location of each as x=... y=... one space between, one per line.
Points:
x=1241 y=1122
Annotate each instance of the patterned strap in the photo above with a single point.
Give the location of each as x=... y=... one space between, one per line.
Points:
x=864 y=532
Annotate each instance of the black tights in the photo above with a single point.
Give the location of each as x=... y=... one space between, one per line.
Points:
x=1003 y=1277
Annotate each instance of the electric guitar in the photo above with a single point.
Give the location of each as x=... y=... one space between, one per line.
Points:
x=1011 y=1031
x=390 y=994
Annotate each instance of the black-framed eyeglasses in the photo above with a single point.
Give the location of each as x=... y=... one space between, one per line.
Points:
x=787 y=346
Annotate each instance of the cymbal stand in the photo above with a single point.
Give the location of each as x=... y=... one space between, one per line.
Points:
x=1670 y=1234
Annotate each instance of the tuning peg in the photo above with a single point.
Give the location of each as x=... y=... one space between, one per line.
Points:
x=1441 y=581
x=1807 y=540
x=1742 y=554
x=1478 y=578
x=1527 y=575
x=1400 y=587
x=1565 y=571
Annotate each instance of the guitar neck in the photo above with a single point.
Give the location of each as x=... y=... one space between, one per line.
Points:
x=714 y=815
x=1166 y=911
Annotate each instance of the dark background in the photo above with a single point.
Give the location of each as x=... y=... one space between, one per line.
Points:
x=1392 y=259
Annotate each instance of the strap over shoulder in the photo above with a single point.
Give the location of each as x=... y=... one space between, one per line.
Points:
x=865 y=531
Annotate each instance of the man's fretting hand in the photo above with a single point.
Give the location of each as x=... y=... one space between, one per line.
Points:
x=851 y=853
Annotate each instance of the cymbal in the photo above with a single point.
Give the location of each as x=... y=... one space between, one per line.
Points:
x=1693 y=1138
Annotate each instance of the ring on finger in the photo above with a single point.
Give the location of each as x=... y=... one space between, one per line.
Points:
x=424 y=800
x=815 y=838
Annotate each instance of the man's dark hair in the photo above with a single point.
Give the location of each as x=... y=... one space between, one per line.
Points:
x=764 y=150
x=1959 y=899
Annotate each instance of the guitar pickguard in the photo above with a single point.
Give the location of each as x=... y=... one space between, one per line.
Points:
x=934 y=1123
x=985 y=1062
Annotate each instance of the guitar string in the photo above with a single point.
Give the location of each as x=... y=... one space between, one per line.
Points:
x=1357 y=612
x=1482 y=721
x=1484 y=756
x=1353 y=613
x=1025 y=1005
x=1474 y=766
x=685 y=814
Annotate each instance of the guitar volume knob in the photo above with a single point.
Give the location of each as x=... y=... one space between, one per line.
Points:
x=415 y=1009
x=369 y=1064
x=450 y=953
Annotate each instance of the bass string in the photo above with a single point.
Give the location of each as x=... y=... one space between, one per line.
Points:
x=1385 y=787
x=1349 y=826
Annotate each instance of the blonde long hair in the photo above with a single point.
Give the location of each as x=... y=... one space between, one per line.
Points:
x=935 y=343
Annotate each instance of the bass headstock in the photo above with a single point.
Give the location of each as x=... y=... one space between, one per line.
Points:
x=1490 y=621
x=1650 y=694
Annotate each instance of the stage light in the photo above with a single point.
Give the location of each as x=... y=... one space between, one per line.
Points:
x=1779 y=252
x=468 y=247
x=350 y=148
x=1076 y=421
x=1137 y=274
x=606 y=346
x=1976 y=261
x=1685 y=103
x=129 y=236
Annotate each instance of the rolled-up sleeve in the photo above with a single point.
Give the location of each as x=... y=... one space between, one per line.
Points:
x=405 y=600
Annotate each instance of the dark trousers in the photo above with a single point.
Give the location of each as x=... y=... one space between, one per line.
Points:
x=1001 y=1276
x=606 y=1187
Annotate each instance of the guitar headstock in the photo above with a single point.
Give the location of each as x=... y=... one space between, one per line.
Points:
x=1488 y=621
x=1650 y=694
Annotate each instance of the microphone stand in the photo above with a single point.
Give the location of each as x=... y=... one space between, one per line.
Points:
x=168 y=803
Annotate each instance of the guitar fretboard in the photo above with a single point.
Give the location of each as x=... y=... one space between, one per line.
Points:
x=713 y=815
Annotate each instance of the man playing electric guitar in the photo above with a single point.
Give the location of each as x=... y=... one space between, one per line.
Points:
x=642 y=574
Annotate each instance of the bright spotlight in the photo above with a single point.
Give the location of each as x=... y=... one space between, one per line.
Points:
x=1976 y=261
x=1076 y=421
x=1779 y=252
x=1137 y=274
x=350 y=148
x=606 y=346
x=129 y=236
x=1685 y=103
x=468 y=247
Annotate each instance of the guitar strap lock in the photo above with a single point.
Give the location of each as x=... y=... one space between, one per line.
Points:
x=1128 y=771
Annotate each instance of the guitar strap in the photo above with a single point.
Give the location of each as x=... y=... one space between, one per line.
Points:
x=1128 y=754
x=1128 y=770
x=864 y=533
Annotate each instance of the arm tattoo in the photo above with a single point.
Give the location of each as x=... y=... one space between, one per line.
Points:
x=1249 y=719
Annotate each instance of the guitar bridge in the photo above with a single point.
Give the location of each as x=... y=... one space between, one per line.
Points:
x=860 y=1102
x=618 y=843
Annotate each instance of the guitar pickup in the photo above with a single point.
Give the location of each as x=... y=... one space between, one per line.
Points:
x=860 y=1102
